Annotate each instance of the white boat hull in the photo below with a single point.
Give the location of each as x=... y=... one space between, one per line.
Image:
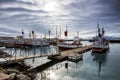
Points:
x=68 y=46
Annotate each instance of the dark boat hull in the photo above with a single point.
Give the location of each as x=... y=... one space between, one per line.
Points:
x=64 y=48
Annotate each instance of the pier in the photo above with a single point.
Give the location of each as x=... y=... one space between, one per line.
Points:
x=72 y=55
x=18 y=54
x=18 y=58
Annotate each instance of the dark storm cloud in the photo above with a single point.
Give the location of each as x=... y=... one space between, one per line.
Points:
x=113 y=4
x=110 y=14
x=6 y=1
x=110 y=10
x=14 y=1
x=107 y=10
x=21 y=9
x=21 y=17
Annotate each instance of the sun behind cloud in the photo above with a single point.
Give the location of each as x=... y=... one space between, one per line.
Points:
x=50 y=6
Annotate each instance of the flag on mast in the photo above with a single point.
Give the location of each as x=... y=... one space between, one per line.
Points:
x=49 y=31
x=65 y=33
x=33 y=34
x=22 y=32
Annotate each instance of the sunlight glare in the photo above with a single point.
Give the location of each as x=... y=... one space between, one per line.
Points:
x=51 y=6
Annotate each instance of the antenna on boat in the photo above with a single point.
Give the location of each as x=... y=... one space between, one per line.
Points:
x=98 y=29
x=56 y=32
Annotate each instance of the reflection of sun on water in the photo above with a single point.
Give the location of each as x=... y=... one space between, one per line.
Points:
x=52 y=75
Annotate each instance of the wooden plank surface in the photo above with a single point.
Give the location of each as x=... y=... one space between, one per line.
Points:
x=71 y=53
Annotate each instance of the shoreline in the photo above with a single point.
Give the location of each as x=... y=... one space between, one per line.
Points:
x=19 y=69
x=14 y=70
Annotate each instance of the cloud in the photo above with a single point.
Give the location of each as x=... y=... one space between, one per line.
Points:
x=80 y=15
x=7 y=30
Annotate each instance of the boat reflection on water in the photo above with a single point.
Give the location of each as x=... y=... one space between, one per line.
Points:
x=49 y=71
x=74 y=65
x=100 y=59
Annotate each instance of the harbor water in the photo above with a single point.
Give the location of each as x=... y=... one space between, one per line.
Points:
x=94 y=66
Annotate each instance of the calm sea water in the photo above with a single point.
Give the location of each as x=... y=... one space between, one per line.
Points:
x=92 y=67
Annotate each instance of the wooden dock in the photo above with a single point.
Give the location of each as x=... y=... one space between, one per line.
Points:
x=18 y=58
x=73 y=54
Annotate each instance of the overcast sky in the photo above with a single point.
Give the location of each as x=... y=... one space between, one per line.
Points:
x=40 y=15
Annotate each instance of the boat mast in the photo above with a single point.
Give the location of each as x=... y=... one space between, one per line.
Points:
x=77 y=34
x=98 y=29
x=60 y=31
x=66 y=33
x=33 y=34
x=23 y=33
x=49 y=33
x=103 y=31
x=45 y=35
x=56 y=32
x=30 y=35
x=78 y=40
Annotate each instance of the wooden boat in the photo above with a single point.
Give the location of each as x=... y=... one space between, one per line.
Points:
x=100 y=48
x=37 y=43
x=12 y=44
x=100 y=43
x=66 y=45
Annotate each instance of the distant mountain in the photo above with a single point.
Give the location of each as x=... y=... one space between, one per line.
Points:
x=107 y=37
x=112 y=38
